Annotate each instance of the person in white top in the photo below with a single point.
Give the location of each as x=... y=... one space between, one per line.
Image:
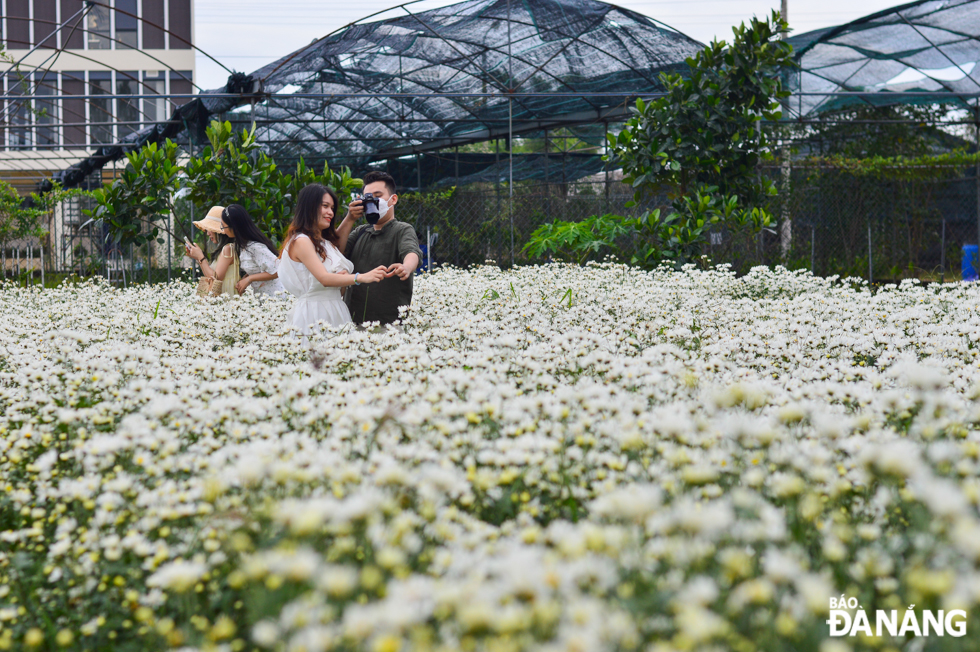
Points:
x=311 y=267
x=257 y=256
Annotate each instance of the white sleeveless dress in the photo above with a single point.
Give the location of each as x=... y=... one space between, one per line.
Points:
x=315 y=304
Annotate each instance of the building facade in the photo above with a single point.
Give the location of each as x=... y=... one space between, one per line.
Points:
x=86 y=74
x=134 y=52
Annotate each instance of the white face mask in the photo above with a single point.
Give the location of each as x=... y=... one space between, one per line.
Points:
x=382 y=208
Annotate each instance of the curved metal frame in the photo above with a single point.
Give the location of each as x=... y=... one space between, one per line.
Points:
x=900 y=16
x=465 y=63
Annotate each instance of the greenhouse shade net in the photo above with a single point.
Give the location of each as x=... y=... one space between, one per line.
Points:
x=921 y=52
x=443 y=169
x=464 y=73
x=477 y=51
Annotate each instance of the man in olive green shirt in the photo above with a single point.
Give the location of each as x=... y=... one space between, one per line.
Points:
x=390 y=243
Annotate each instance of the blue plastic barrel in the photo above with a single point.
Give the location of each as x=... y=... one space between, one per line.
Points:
x=969 y=265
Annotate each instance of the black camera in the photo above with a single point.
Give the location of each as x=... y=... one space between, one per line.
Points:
x=371 y=212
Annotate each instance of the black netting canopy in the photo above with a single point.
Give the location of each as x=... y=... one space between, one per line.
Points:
x=427 y=80
x=414 y=81
x=921 y=52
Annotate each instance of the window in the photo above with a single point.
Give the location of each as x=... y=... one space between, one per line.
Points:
x=153 y=17
x=45 y=23
x=180 y=24
x=129 y=114
x=19 y=112
x=100 y=110
x=73 y=35
x=73 y=108
x=126 y=34
x=180 y=84
x=18 y=25
x=46 y=86
x=154 y=108
x=97 y=27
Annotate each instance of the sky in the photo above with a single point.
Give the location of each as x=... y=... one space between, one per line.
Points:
x=244 y=35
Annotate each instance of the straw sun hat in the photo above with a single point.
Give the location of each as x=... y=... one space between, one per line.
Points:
x=212 y=222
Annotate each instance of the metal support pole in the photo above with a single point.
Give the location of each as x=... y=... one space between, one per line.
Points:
x=41 y=252
x=605 y=166
x=870 y=268
x=496 y=188
x=418 y=183
x=942 y=255
x=510 y=148
x=547 y=162
x=191 y=144
x=510 y=128
x=510 y=58
x=564 y=161
x=813 y=244
x=456 y=185
x=428 y=249
x=170 y=243
x=786 y=221
x=976 y=127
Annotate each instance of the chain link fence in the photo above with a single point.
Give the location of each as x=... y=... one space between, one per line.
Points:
x=833 y=222
x=482 y=223
x=77 y=246
x=878 y=227
x=826 y=220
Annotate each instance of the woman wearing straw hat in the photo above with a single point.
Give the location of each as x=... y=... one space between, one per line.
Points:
x=224 y=267
x=256 y=255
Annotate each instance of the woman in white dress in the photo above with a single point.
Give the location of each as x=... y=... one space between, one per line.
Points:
x=312 y=268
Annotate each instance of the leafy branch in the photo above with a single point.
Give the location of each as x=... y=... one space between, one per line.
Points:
x=232 y=169
x=700 y=145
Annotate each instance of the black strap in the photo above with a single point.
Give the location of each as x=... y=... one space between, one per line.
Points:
x=356 y=235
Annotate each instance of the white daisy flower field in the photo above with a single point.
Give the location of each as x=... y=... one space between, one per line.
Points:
x=554 y=458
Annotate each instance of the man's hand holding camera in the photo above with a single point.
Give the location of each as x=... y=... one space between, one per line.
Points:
x=355 y=211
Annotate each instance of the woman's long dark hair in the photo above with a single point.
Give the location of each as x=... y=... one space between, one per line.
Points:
x=244 y=229
x=307 y=218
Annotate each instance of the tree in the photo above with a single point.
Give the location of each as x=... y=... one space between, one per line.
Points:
x=138 y=204
x=23 y=217
x=700 y=145
x=232 y=169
